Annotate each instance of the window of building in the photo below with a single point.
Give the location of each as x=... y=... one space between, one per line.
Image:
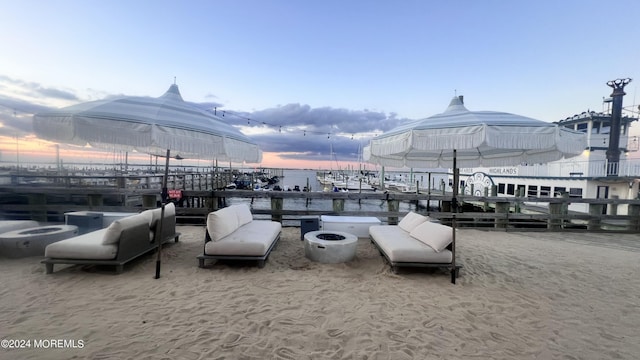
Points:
x=511 y=189
x=575 y=192
x=559 y=190
x=533 y=191
x=521 y=190
x=545 y=191
x=500 y=188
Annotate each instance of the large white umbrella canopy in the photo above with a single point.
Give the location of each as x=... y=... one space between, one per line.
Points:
x=462 y=138
x=148 y=125
x=478 y=138
x=156 y=126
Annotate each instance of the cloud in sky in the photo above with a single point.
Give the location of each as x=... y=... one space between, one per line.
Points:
x=294 y=131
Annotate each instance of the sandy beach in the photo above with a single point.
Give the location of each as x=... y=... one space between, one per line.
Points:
x=520 y=296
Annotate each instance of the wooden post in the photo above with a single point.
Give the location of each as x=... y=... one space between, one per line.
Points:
x=502 y=208
x=519 y=194
x=614 y=206
x=555 y=211
x=485 y=208
x=338 y=205
x=595 y=210
x=95 y=200
x=39 y=213
x=149 y=200
x=212 y=204
x=393 y=206
x=565 y=203
x=634 y=222
x=277 y=204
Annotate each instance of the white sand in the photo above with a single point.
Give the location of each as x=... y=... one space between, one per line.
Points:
x=520 y=296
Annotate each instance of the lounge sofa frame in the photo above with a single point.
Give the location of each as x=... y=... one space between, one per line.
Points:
x=395 y=265
x=136 y=243
x=260 y=259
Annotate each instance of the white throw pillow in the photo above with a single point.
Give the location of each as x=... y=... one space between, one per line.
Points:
x=411 y=220
x=244 y=214
x=112 y=235
x=221 y=223
x=115 y=229
x=169 y=210
x=437 y=236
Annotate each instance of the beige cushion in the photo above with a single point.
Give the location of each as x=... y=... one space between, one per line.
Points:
x=85 y=246
x=411 y=220
x=112 y=235
x=437 y=236
x=169 y=210
x=400 y=247
x=221 y=223
x=252 y=239
x=244 y=214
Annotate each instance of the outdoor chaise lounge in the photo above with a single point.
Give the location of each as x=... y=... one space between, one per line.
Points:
x=415 y=242
x=124 y=240
x=232 y=234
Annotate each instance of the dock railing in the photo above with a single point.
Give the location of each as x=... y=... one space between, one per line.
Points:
x=488 y=213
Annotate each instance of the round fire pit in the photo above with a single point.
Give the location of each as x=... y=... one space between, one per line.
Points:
x=330 y=247
x=33 y=241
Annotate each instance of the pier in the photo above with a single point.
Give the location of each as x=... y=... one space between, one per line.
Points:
x=197 y=194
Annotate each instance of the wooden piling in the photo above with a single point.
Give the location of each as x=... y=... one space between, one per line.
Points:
x=595 y=210
x=393 y=206
x=502 y=208
x=555 y=221
x=40 y=200
x=277 y=204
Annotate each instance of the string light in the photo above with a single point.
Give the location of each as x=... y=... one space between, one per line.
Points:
x=287 y=129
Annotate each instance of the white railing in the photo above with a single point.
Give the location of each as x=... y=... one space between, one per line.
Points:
x=593 y=168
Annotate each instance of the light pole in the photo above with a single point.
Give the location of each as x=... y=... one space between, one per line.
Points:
x=613 y=152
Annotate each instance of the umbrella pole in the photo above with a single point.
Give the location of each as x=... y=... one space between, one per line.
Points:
x=159 y=239
x=165 y=191
x=454 y=210
x=164 y=195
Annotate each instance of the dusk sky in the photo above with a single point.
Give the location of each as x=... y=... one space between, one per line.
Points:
x=319 y=74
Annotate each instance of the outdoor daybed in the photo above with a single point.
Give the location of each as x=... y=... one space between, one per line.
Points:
x=232 y=234
x=124 y=240
x=416 y=242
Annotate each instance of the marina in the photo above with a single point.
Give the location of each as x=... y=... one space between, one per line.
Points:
x=194 y=200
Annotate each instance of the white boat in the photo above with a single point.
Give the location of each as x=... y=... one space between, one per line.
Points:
x=343 y=181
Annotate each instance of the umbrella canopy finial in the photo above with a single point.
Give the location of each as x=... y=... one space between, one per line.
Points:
x=173 y=93
x=456 y=104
